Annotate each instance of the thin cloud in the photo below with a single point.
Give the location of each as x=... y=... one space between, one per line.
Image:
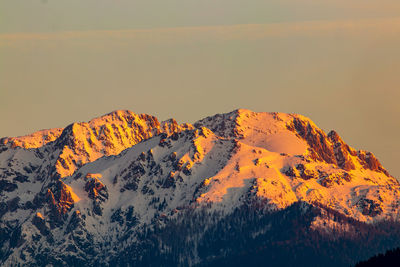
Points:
x=215 y=33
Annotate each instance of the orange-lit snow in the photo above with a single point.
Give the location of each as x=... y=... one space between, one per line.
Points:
x=227 y=158
x=34 y=140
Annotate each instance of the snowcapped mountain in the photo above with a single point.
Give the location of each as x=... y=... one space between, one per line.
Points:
x=99 y=192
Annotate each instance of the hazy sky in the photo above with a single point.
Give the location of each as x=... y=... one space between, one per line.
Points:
x=335 y=61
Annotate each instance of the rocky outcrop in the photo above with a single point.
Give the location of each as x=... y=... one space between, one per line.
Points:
x=369 y=161
x=10 y=205
x=7 y=186
x=95 y=188
x=332 y=149
x=81 y=143
x=225 y=125
x=343 y=152
x=369 y=207
x=330 y=180
x=40 y=223
x=76 y=222
x=317 y=140
x=300 y=171
x=97 y=191
x=60 y=202
x=305 y=172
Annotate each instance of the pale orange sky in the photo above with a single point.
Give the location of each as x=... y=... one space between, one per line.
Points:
x=333 y=61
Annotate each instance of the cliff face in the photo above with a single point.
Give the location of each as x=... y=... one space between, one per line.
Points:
x=94 y=186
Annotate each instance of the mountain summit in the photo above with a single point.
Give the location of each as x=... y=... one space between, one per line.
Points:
x=122 y=182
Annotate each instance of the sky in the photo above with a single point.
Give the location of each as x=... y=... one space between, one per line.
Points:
x=335 y=61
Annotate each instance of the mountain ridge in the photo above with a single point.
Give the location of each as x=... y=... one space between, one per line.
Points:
x=109 y=178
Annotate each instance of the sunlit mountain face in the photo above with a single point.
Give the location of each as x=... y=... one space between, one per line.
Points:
x=234 y=189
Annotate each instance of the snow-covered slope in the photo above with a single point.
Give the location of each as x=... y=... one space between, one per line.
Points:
x=88 y=188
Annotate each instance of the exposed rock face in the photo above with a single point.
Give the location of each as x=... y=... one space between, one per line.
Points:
x=7 y=186
x=369 y=161
x=332 y=149
x=81 y=143
x=307 y=173
x=40 y=223
x=101 y=185
x=225 y=125
x=369 y=207
x=95 y=188
x=107 y=135
x=97 y=191
x=342 y=151
x=76 y=222
x=10 y=205
x=329 y=180
x=60 y=202
x=320 y=149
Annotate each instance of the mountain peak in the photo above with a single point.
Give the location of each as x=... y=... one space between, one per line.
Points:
x=119 y=174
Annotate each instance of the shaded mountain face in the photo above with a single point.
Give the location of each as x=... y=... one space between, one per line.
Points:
x=69 y=195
